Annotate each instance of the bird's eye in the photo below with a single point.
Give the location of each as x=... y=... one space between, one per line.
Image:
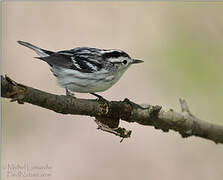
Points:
x=124 y=62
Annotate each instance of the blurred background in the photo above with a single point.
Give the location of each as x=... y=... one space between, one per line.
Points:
x=181 y=44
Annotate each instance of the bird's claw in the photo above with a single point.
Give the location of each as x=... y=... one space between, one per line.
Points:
x=100 y=98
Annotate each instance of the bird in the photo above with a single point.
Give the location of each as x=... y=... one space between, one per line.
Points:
x=85 y=69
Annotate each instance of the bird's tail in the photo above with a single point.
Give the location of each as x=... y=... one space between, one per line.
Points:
x=39 y=51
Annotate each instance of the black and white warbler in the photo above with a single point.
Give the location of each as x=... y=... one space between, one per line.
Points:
x=84 y=69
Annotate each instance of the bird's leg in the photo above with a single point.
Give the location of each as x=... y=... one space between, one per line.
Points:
x=70 y=94
x=99 y=97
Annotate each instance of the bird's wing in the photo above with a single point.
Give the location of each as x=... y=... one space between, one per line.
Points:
x=86 y=63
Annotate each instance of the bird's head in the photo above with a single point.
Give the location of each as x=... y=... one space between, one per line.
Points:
x=120 y=59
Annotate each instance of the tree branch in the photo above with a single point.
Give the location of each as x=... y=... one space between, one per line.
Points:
x=108 y=113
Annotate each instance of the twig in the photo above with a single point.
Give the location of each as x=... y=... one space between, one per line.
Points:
x=185 y=123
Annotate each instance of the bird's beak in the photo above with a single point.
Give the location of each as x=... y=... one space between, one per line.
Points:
x=135 y=61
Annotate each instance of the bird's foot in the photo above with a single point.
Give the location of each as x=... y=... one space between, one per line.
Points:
x=70 y=94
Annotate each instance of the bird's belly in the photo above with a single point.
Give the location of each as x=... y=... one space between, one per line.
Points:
x=88 y=86
x=86 y=83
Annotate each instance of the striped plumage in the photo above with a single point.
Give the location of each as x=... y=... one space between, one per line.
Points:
x=84 y=69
